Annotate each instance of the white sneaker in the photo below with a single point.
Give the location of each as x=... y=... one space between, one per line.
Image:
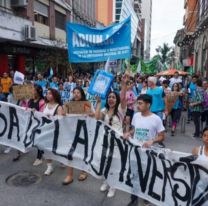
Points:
x=49 y=170
x=37 y=162
x=104 y=187
x=7 y=150
x=111 y=192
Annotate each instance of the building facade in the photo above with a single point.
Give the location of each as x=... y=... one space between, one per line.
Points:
x=201 y=39
x=33 y=32
x=84 y=12
x=110 y=11
x=147 y=25
x=185 y=37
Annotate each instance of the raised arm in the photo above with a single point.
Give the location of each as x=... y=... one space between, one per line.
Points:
x=98 y=113
x=123 y=92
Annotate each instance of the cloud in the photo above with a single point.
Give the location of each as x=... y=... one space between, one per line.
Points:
x=167 y=18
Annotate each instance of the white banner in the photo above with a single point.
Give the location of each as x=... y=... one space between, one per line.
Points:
x=163 y=177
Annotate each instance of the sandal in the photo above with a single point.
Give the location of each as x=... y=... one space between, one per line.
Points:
x=82 y=176
x=68 y=180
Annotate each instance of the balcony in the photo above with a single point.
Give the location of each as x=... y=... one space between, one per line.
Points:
x=12 y=26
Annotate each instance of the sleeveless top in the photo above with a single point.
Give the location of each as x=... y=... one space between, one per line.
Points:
x=50 y=112
x=201 y=153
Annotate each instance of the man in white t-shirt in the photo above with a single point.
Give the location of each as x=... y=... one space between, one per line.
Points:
x=147 y=129
x=175 y=79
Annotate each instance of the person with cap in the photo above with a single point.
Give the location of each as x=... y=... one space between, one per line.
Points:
x=158 y=94
x=147 y=129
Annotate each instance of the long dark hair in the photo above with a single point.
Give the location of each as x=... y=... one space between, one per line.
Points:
x=204 y=130
x=115 y=113
x=83 y=96
x=39 y=91
x=56 y=96
x=177 y=86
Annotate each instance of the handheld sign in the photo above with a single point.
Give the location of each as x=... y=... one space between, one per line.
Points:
x=22 y=92
x=19 y=78
x=101 y=83
x=77 y=107
x=170 y=100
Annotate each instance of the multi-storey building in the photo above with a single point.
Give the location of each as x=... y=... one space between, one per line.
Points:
x=84 y=12
x=193 y=39
x=185 y=37
x=33 y=32
x=201 y=39
x=110 y=11
x=147 y=25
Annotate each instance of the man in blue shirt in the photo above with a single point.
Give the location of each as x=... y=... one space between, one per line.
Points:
x=157 y=93
x=191 y=91
x=54 y=83
x=41 y=82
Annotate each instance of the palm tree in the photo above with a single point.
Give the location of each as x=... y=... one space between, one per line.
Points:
x=166 y=53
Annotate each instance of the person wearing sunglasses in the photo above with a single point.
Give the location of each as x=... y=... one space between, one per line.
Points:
x=113 y=114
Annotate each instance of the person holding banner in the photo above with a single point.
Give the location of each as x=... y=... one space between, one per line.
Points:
x=78 y=95
x=52 y=108
x=202 y=151
x=113 y=114
x=38 y=104
x=147 y=129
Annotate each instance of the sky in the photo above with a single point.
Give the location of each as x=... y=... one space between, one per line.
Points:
x=167 y=18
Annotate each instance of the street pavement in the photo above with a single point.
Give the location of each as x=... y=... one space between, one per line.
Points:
x=49 y=190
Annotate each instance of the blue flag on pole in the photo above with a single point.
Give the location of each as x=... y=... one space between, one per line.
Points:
x=87 y=44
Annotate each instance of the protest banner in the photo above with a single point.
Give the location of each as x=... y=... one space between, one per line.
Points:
x=87 y=44
x=161 y=176
x=77 y=107
x=101 y=83
x=170 y=100
x=22 y=92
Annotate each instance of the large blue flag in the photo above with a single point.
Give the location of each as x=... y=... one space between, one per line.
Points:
x=87 y=44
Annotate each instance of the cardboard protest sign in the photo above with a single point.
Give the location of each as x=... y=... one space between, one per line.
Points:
x=21 y=92
x=77 y=107
x=170 y=100
x=101 y=83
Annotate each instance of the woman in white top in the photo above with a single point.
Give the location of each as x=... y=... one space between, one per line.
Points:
x=202 y=151
x=144 y=87
x=52 y=108
x=113 y=114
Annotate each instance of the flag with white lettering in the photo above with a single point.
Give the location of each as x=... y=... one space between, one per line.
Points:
x=87 y=44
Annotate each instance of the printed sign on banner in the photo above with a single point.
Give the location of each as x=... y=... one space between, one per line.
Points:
x=101 y=83
x=80 y=107
x=22 y=92
x=87 y=44
x=161 y=176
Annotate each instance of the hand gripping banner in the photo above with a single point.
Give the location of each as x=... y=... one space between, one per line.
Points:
x=164 y=177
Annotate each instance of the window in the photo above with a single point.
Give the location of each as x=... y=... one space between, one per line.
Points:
x=60 y=20
x=41 y=12
x=41 y=19
x=5 y=4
